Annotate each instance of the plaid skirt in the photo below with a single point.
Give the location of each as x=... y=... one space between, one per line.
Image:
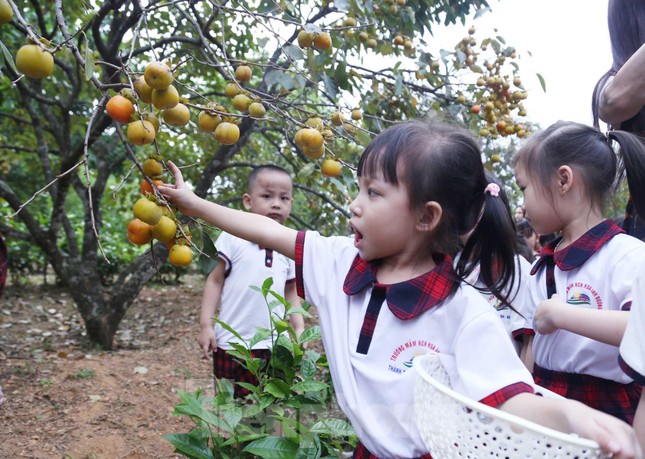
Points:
x=229 y=367
x=362 y=453
x=611 y=397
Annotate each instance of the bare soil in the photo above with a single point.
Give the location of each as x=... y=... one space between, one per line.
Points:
x=64 y=400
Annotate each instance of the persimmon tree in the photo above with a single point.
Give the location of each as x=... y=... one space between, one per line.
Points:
x=251 y=74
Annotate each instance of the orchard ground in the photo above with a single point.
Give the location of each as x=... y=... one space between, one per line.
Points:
x=64 y=400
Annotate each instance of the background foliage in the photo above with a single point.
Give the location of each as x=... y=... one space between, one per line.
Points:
x=68 y=177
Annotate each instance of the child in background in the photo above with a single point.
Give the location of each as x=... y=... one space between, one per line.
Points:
x=390 y=293
x=515 y=307
x=582 y=280
x=632 y=351
x=243 y=264
x=527 y=232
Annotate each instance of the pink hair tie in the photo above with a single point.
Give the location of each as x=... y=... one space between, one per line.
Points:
x=493 y=189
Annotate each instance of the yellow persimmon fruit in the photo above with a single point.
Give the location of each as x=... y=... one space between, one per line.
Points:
x=6 y=13
x=34 y=62
x=331 y=168
x=158 y=75
x=142 y=89
x=152 y=168
x=179 y=115
x=165 y=98
x=180 y=255
x=227 y=133
x=165 y=229
x=141 y=132
x=147 y=211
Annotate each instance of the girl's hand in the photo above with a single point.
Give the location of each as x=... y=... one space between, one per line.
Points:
x=613 y=435
x=179 y=194
x=545 y=320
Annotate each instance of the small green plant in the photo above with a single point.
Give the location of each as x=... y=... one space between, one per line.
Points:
x=293 y=396
x=45 y=382
x=85 y=373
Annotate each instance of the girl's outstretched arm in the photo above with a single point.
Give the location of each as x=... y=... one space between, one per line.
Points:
x=246 y=225
x=598 y=324
x=569 y=416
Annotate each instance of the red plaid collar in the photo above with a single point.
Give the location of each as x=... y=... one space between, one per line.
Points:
x=581 y=250
x=406 y=299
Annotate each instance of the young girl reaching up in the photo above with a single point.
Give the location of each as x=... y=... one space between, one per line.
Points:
x=390 y=293
x=582 y=280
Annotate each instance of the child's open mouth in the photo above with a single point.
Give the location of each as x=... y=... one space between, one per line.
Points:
x=358 y=236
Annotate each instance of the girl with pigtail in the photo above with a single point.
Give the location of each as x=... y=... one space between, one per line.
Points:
x=390 y=292
x=514 y=305
x=581 y=284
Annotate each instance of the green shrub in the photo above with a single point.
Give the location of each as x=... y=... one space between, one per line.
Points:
x=293 y=396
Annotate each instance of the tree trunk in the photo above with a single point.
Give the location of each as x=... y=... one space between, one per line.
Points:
x=101 y=308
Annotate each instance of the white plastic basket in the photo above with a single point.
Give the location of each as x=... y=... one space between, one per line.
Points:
x=453 y=426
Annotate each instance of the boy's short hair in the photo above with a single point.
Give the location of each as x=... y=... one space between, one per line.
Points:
x=250 y=180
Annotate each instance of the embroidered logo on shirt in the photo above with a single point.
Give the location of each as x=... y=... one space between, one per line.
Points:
x=582 y=294
x=402 y=356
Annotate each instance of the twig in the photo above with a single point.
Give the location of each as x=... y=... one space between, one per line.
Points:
x=87 y=176
x=43 y=189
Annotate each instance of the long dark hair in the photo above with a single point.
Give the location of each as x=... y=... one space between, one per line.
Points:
x=626 y=23
x=441 y=162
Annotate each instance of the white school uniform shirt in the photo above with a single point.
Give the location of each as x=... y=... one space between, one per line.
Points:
x=373 y=379
x=243 y=308
x=516 y=322
x=596 y=271
x=632 y=347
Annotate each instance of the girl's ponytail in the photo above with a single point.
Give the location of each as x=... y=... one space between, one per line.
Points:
x=492 y=244
x=632 y=151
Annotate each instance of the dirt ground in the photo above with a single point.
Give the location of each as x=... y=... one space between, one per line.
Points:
x=65 y=401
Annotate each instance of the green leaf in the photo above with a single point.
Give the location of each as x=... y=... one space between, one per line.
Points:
x=307 y=369
x=260 y=335
x=309 y=386
x=8 y=58
x=310 y=334
x=330 y=86
x=89 y=62
x=266 y=286
x=272 y=448
x=228 y=328
x=189 y=446
x=542 y=82
x=333 y=427
x=294 y=52
x=208 y=261
x=277 y=388
x=193 y=406
x=310 y=447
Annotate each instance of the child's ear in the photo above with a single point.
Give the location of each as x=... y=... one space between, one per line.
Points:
x=246 y=200
x=430 y=216
x=565 y=179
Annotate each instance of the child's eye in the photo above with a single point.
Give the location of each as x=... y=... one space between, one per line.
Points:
x=285 y=198
x=372 y=192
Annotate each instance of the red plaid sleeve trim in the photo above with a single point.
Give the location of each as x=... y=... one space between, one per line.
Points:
x=300 y=251
x=506 y=393
x=518 y=334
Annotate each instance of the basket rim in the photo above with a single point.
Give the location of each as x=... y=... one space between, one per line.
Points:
x=497 y=413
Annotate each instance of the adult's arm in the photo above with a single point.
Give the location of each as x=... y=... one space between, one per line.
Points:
x=624 y=95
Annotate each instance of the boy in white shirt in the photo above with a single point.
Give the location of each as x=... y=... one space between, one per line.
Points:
x=227 y=293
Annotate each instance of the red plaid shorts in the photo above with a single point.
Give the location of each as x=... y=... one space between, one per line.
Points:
x=227 y=366
x=611 y=397
x=362 y=453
